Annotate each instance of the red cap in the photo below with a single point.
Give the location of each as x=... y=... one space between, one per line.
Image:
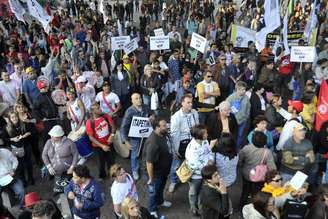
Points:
x=296 y=104
x=41 y=85
x=31 y=199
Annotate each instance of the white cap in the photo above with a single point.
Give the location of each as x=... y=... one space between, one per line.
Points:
x=81 y=79
x=56 y=131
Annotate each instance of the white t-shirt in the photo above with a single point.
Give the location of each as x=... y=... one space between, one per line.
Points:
x=8 y=91
x=111 y=98
x=120 y=191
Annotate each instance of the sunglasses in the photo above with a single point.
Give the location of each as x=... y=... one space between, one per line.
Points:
x=222 y=59
x=209 y=76
x=277 y=180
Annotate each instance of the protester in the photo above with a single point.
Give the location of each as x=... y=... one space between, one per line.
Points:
x=132 y=209
x=158 y=163
x=86 y=194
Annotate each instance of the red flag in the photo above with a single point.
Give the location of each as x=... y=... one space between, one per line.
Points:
x=322 y=109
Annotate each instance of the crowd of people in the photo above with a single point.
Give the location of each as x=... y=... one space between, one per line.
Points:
x=216 y=117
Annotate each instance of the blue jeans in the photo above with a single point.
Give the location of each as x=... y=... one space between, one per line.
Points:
x=156 y=192
x=135 y=144
x=240 y=138
x=195 y=186
x=174 y=166
x=18 y=188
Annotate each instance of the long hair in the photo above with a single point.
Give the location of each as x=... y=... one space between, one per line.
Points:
x=125 y=206
x=11 y=127
x=260 y=202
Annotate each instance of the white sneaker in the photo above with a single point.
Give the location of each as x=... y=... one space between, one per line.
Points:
x=154 y=214
x=172 y=187
x=166 y=204
x=135 y=176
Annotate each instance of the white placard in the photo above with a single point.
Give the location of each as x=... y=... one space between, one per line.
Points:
x=159 y=43
x=131 y=46
x=159 y=32
x=119 y=42
x=302 y=54
x=298 y=180
x=198 y=42
x=140 y=127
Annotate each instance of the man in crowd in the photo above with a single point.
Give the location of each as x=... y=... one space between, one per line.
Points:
x=158 y=163
x=133 y=143
x=9 y=89
x=181 y=123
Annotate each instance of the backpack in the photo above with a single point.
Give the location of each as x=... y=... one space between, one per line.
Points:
x=294 y=209
x=257 y=174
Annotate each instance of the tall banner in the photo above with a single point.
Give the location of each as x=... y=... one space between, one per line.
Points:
x=241 y=35
x=102 y=11
x=312 y=22
x=18 y=10
x=37 y=11
x=285 y=33
x=272 y=22
x=322 y=110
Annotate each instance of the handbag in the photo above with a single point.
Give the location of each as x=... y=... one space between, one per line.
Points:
x=18 y=152
x=257 y=174
x=184 y=172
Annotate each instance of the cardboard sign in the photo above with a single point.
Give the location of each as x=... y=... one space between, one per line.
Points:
x=303 y=54
x=140 y=127
x=298 y=180
x=198 y=42
x=159 y=32
x=159 y=43
x=131 y=46
x=119 y=42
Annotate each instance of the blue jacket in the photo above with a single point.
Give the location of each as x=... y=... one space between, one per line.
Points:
x=91 y=196
x=127 y=119
x=269 y=138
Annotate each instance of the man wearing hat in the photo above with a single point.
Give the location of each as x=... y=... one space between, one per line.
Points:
x=295 y=107
x=85 y=91
x=45 y=109
x=59 y=154
x=31 y=199
x=297 y=154
x=109 y=101
x=8 y=166
x=30 y=89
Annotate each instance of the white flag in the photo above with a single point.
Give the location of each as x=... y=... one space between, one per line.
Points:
x=119 y=28
x=37 y=11
x=17 y=8
x=112 y=61
x=312 y=22
x=276 y=45
x=272 y=22
x=102 y=10
x=285 y=33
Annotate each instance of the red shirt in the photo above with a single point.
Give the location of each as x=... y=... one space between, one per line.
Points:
x=286 y=66
x=101 y=131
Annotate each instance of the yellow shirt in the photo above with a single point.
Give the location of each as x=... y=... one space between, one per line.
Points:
x=203 y=87
x=276 y=192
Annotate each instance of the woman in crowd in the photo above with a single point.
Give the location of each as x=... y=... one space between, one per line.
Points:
x=76 y=110
x=198 y=154
x=222 y=121
x=131 y=209
x=19 y=133
x=149 y=84
x=258 y=103
x=119 y=81
x=122 y=187
x=250 y=156
x=260 y=123
x=262 y=207
x=226 y=159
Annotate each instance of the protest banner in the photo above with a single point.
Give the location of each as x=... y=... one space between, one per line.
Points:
x=131 y=46
x=302 y=54
x=198 y=42
x=240 y=36
x=140 y=127
x=119 y=42
x=159 y=32
x=159 y=43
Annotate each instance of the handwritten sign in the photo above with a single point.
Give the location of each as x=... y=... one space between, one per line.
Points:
x=302 y=54
x=119 y=42
x=140 y=127
x=131 y=46
x=159 y=43
x=159 y=32
x=198 y=42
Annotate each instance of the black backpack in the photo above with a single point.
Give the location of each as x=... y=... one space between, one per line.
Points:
x=294 y=209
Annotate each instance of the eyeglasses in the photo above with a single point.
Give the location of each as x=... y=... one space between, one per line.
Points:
x=222 y=59
x=277 y=180
x=209 y=76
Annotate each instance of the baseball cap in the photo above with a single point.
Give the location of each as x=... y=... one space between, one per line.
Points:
x=296 y=104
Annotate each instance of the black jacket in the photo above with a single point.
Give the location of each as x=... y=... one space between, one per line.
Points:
x=214 y=126
x=274 y=118
x=44 y=107
x=318 y=211
x=214 y=204
x=255 y=105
